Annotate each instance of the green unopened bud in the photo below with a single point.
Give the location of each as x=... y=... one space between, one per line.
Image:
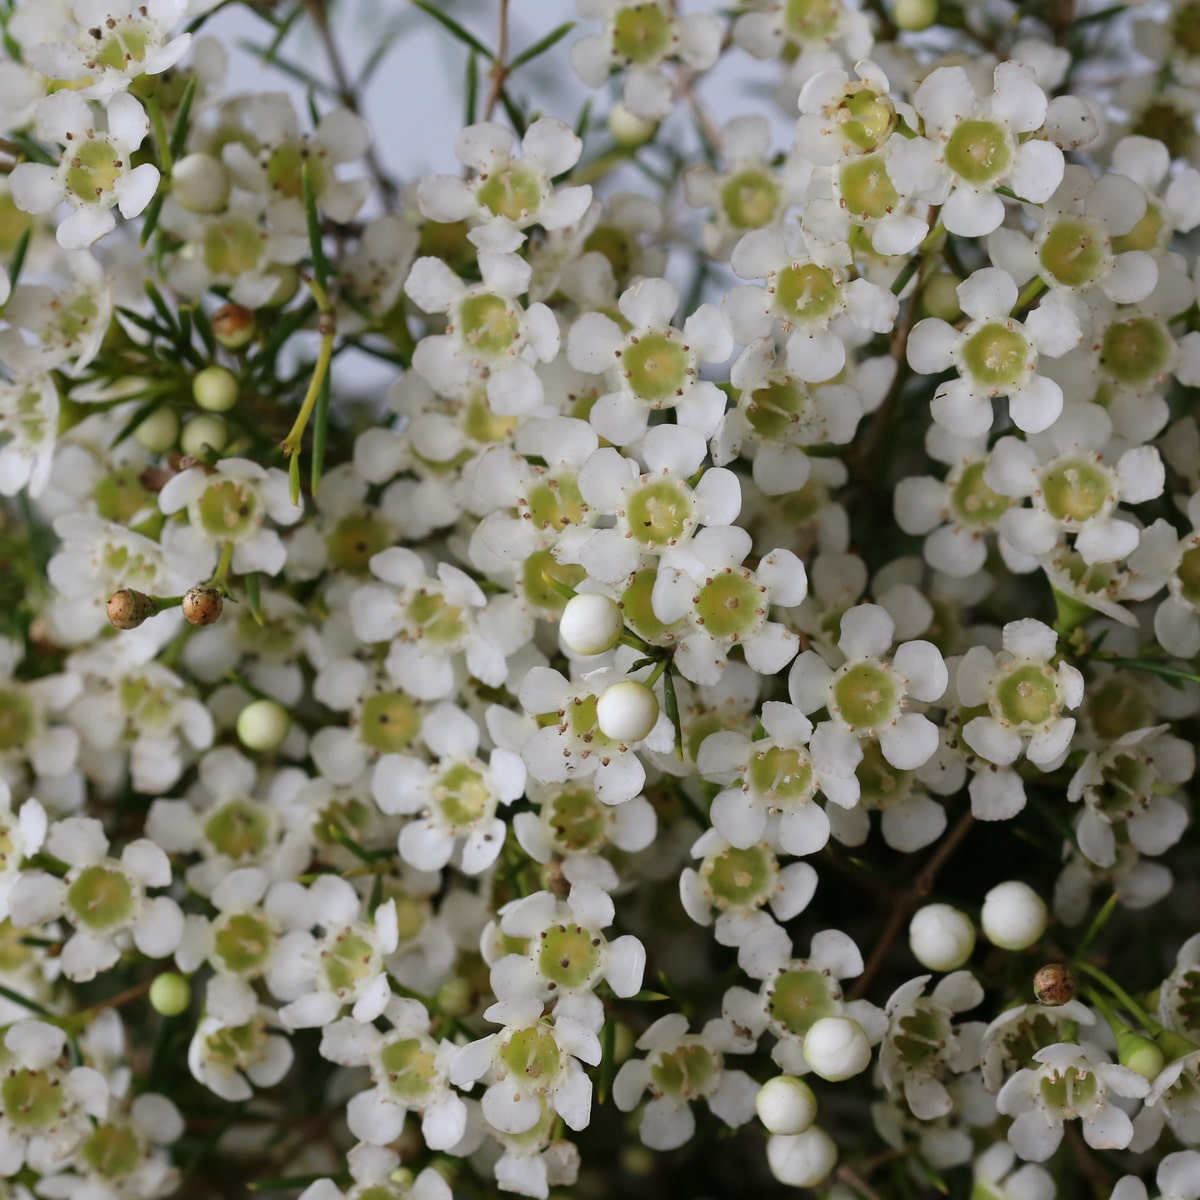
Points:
x=912 y=16
x=455 y=998
x=128 y=609
x=263 y=724
x=1139 y=1054
x=1175 y=1045
x=204 y=431
x=233 y=326
x=170 y=994
x=215 y=389
x=157 y=433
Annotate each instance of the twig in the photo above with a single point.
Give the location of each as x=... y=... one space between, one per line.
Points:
x=348 y=95
x=499 y=64
x=907 y=904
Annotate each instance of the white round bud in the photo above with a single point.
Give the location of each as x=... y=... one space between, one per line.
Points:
x=627 y=129
x=200 y=183
x=786 y=1104
x=627 y=711
x=914 y=15
x=203 y=431
x=157 y=433
x=941 y=937
x=1014 y=916
x=836 y=1048
x=215 y=389
x=263 y=724
x=590 y=624
x=801 y=1159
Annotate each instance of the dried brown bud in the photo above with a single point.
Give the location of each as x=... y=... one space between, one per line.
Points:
x=233 y=326
x=1054 y=984
x=202 y=604
x=127 y=609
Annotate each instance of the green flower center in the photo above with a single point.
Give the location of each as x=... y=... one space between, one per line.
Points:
x=243 y=942
x=577 y=820
x=865 y=119
x=482 y=425
x=636 y=606
x=229 y=510
x=741 y=879
x=489 y=324
x=569 y=955
x=978 y=151
x=93 y=170
x=1027 y=696
x=867 y=188
x=973 y=502
x=237 y=1047
x=463 y=795
x=730 y=606
x=807 y=293
x=539 y=569
x=865 y=696
x=811 y=20
x=1074 y=253
x=411 y=1068
x=750 y=199
x=774 y=409
x=119 y=495
x=660 y=513
x=1076 y=491
x=355 y=540
x=1072 y=1093
x=997 y=356
x=433 y=617
x=685 y=1072
x=554 y=503
x=347 y=958
x=616 y=245
x=285 y=170
x=1144 y=235
x=145 y=702
x=781 y=776
x=1136 y=351
x=13 y=224
x=389 y=722
x=239 y=829
x=1128 y=784
x=922 y=1038
x=641 y=34
x=101 y=898
x=534 y=1054
x=125 y=44
x=233 y=246
x=513 y=192
x=17 y=720
x=801 y=996
x=1188 y=573
x=111 y=1151
x=656 y=368
x=32 y=1099
x=1117 y=706
x=880 y=784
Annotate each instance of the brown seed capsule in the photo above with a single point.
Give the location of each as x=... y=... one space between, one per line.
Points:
x=1054 y=984
x=202 y=604
x=233 y=326
x=127 y=609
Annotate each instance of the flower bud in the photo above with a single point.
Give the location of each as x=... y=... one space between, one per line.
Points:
x=263 y=724
x=202 y=604
x=1174 y=1045
x=628 y=130
x=233 y=326
x=170 y=994
x=836 y=1048
x=786 y=1104
x=802 y=1159
x=200 y=183
x=1139 y=1054
x=455 y=997
x=204 y=431
x=1054 y=984
x=1014 y=916
x=127 y=609
x=940 y=937
x=590 y=624
x=940 y=296
x=913 y=16
x=215 y=389
x=627 y=711
x=157 y=433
